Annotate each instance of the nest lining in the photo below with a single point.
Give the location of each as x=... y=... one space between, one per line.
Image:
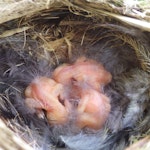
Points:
x=62 y=37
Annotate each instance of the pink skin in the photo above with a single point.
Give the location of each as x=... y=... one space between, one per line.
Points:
x=81 y=80
x=83 y=71
x=93 y=109
x=43 y=93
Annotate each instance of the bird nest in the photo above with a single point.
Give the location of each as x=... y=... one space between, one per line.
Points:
x=37 y=36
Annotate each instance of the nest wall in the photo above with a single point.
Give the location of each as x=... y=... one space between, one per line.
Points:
x=35 y=42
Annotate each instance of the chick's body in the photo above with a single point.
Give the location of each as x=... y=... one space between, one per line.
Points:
x=83 y=71
x=43 y=93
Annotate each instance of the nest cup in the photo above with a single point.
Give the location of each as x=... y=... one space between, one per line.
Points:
x=49 y=33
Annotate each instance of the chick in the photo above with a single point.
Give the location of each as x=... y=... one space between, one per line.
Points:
x=43 y=94
x=83 y=71
x=93 y=109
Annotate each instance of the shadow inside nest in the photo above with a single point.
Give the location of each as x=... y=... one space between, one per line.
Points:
x=128 y=91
